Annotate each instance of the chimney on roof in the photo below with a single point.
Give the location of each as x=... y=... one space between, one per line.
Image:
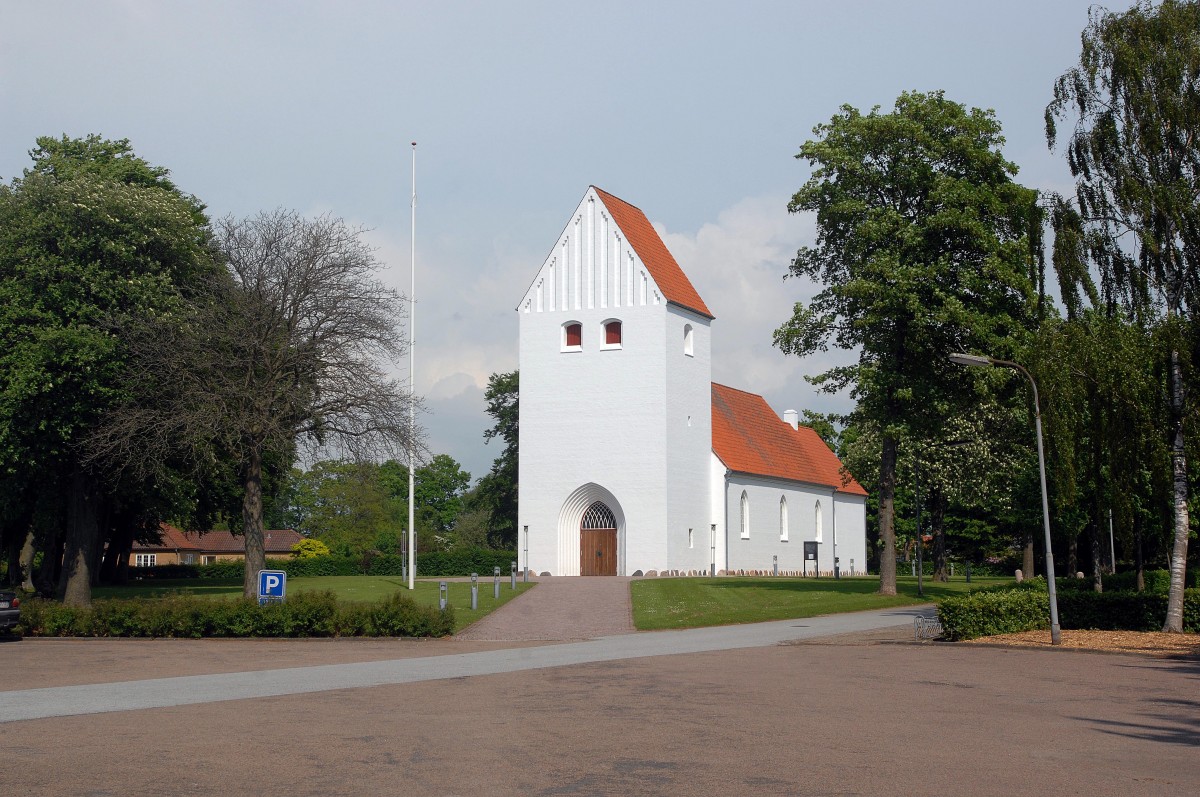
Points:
x=791 y=418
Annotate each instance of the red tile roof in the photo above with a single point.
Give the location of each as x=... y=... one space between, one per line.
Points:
x=274 y=541
x=676 y=287
x=750 y=438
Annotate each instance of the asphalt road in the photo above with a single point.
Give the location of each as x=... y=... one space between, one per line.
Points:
x=773 y=709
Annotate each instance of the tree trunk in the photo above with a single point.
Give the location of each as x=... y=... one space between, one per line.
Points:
x=83 y=536
x=1027 y=555
x=1072 y=555
x=1174 y=621
x=1097 y=567
x=887 y=517
x=120 y=544
x=1141 y=562
x=26 y=561
x=939 y=536
x=45 y=577
x=252 y=522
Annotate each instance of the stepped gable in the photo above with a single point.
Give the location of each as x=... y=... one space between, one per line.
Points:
x=750 y=438
x=674 y=284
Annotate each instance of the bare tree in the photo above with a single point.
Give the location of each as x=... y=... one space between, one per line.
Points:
x=289 y=348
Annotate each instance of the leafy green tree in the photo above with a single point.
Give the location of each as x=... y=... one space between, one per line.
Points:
x=438 y=490
x=497 y=490
x=310 y=549
x=1134 y=100
x=922 y=244
x=92 y=239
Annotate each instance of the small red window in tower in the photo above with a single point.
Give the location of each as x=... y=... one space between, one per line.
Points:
x=612 y=333
x=574 y=335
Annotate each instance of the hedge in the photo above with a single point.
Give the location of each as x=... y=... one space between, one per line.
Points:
x=307 y=614
x=432 y=564
x=1012 y=610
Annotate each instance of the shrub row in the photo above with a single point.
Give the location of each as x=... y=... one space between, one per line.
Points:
x=1012 y=610
x=432 y=563
x=306 y=614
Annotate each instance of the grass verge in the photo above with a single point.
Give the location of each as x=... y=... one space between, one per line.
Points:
x=695 y=602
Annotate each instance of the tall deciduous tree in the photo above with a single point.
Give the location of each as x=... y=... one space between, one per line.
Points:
x=1134 y=148
x=498 y=489
x=922 y=246
x=92 y=239
x=290 y=347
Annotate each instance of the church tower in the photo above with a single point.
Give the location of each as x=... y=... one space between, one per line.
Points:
x=615 y=403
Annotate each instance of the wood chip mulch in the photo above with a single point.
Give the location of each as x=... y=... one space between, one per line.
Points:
x=1150 y=643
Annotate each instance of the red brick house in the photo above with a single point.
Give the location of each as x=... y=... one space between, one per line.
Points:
x=205 y=547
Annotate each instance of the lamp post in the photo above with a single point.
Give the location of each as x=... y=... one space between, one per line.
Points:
x=980 y=361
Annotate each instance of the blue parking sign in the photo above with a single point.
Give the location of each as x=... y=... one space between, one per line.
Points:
x=272 y=586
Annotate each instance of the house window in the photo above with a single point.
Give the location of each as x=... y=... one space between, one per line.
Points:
x=783 y=519
x=572 y=336
x=745 y=516
x=145 y=559
x=820 y=530
x=208 y=560
x=687 y=340
x=612 y=335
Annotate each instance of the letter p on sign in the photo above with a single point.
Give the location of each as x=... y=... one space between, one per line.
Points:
x=272 y=585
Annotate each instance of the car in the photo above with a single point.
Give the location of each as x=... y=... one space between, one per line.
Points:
x=10 y=610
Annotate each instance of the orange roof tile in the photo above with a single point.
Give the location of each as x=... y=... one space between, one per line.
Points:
x=274 y=541
x=750 y=438
x=676 y=287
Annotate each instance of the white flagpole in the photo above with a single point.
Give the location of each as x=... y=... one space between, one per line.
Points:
x=412 y=383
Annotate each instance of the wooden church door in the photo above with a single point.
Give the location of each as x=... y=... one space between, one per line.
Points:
x=598 y=542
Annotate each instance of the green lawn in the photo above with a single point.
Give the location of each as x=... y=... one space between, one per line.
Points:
x=357 y=589
x=694 y=602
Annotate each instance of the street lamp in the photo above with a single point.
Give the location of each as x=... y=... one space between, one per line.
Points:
x=980 y=361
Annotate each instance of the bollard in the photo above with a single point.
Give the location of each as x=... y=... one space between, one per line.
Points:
x=952 y=569
x=837 y=573
x=513 y=584
x=496 y=583
x=775 y=564
x=443 y=600
x=474 y=591
x=851 y=567
x=914 y=569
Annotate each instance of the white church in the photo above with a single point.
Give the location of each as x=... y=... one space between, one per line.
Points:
x=631 y=459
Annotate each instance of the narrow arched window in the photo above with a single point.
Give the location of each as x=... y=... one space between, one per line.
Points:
x=820 y=526
x=783 y=519
x=572 y=339
x=745 y=516
x=612 y=334
x=687 y=340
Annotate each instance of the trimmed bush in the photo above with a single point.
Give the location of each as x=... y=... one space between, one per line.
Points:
x=187 y=616
x=1010 y=611
x=991 y=612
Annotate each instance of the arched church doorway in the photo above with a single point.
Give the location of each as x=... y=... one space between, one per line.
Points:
x=598 y=541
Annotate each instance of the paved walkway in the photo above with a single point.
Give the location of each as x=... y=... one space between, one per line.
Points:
x=26 y=704
x=584 y=607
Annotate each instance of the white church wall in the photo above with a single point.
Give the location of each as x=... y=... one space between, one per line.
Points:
x=852 y=532
x=717 y=510
x=594 y=414
x=688 y=429
x=807 y=506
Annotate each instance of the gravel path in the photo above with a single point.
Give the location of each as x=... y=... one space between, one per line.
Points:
x=583 y=607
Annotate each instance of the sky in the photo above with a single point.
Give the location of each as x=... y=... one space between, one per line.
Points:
x=693 y=111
